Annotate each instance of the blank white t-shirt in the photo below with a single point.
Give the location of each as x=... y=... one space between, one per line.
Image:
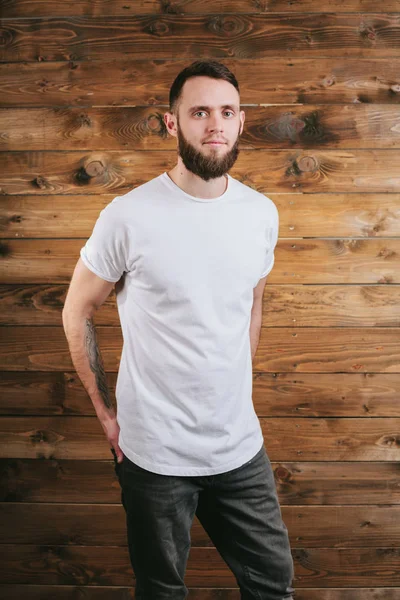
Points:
x=187 y=267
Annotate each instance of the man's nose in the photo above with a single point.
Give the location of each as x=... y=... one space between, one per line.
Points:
x=216 y=123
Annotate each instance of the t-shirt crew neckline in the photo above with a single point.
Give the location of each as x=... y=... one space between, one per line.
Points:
x=172 y=185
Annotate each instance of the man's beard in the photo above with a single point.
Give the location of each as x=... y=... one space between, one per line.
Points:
x=207 y=167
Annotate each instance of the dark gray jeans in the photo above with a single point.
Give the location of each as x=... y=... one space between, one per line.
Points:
x=238 y=509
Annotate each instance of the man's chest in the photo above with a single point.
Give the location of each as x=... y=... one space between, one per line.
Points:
x=182 y=254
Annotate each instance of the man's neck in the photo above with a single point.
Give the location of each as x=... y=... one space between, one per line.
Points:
x=195 y=186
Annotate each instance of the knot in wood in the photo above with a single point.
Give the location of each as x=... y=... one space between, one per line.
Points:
x=287 y=126
x=282 y=473
x=84 y=120
x=328 y=81
x=41 y=182
x=228 y=25
x=307 y=164
x=38 y=436
x=155 y=124
x=386 y=253
x=170 y=7
x=158 y=28
x=95 y=168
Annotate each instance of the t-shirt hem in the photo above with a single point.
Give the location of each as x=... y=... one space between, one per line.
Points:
x=94 y=269
x=189 y=471
x=268 y=270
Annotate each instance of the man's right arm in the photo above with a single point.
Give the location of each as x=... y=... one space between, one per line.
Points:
x=86 y=294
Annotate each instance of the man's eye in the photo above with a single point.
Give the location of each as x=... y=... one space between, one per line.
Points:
x=202 y=111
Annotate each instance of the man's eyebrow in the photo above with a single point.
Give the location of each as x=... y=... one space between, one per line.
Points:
x=200 y=107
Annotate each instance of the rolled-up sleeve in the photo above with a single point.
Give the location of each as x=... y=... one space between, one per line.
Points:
x=272 y=233
x=105 y=251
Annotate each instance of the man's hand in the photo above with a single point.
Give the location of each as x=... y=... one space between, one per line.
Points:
x=111 y=429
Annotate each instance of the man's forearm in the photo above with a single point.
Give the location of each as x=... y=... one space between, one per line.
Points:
x=255 y=328
x=87 y=360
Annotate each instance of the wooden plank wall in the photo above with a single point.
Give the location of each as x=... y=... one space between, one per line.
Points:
x=83 y=87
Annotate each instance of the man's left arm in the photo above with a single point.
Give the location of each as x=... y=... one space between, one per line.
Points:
x=256 y=315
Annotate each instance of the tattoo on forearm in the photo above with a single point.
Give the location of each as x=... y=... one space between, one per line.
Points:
x=95 y=361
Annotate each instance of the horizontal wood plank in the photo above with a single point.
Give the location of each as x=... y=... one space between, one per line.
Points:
x=197 y=36
x=89 y=525
x=101 y=8
x=70 y=592
x=143 y=128
x=126 y=82
x=283 y=305
x=297 y=261
x=280 y=349
x=331 y=306
x=267 y=171
x=102 y=565
x=300 y=214
x=274 y=394
x=326 y=483
x=307 y=350
x=286 y=438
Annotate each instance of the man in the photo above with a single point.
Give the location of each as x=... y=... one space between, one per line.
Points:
x=190 y=250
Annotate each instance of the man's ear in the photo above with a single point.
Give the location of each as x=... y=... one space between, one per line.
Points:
x=169 y=120
x=243 y=116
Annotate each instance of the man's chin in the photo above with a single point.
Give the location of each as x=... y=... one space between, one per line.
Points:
x=209 y=176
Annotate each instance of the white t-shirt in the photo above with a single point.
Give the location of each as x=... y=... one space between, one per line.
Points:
x=188 y=267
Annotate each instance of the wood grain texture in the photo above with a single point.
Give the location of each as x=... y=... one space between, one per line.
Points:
x=274 y=170
x=105 y=565
x=61 y=393
x=284 y=305
x=95 y=525
x=288 y=439
x=281 y=349
x=70 y=592
x=83 y=89
x=353 y=214
x=326 y=483
x=349 y=350
x=198 y=36
x=143 y=128
x=136 y=81
x=99 y=8
x=334 y=261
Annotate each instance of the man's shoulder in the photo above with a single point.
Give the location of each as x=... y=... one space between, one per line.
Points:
x=252 y=193
x=124 y=202
x=139 y=190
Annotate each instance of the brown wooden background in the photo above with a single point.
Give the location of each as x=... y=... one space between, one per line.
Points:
x=83 y=88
